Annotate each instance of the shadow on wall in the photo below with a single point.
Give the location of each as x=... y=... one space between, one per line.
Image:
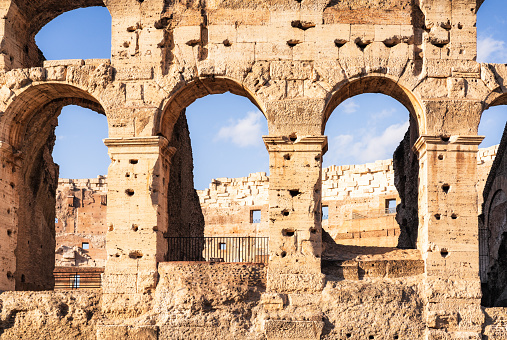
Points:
x=185 y=215
x=406 y=177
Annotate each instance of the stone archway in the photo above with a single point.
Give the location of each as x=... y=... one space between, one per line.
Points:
x=30 y=178
x=406 y=166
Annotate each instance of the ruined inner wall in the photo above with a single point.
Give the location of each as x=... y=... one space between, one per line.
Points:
x=81 y=207
x=37 y=178
x=355 y=195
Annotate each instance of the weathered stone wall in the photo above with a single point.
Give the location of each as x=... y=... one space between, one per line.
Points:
x=49 y=315
x=166 y=54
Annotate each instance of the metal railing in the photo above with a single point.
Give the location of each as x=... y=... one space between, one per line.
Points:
x=483 y=254
x=77 y=280
x=218 y=249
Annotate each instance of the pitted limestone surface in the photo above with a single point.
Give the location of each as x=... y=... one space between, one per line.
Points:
x=295 y=60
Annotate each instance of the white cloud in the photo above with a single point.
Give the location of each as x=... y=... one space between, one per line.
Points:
x=349 y=106
x=347 y=149
x=491 y=50
x=385 y=113
x=60 y=137
x=384 y=145
x=243 y=132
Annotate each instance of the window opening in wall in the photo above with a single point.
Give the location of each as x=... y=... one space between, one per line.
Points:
x=491 y=32
x=390 y=206
x=255 y=216
x=325 y=212
x=85 y=245
x=222 y=246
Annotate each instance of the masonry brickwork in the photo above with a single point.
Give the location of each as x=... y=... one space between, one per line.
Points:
x=167 y=54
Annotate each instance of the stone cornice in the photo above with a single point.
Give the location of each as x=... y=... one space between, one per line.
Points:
x=303 y=143
x=424 y=140
x=141 y=144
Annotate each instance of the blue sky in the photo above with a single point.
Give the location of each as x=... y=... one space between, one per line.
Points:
x=226 y=129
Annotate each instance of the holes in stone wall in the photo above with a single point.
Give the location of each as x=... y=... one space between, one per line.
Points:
x=313 y=231
x=110 y=228
x=10 y=276
x=340 y=42
x=293 y=137
x=12 y=185
x=362 y=43
x=444 y=252
x=437 y=217
x=440 y=157
x=127 y=174
x=135 y=254
x=129 y=192
x=227 y=43
x=286 y=157
x=285 y=212
x=293 y=42
x=303 y=25
x=133 y=161
x=371 y=337
x=288 y=232
x=135 y=227
x=23 y=278
x=294 y=192
x=283 y=254
x=392 y=42
x=454 y=216
x=446 y=187
x=9 y=232
x=445 y=138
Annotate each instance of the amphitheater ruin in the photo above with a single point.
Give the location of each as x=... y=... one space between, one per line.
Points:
x=438 y=273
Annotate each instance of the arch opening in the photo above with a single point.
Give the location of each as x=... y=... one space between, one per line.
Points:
x=219 y=136
x=491 y=188
x=33 y=181
x=193 y=91
x=370 y=172
x=83 y=33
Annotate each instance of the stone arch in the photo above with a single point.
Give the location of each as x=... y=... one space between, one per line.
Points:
x=405 y=162
x=32 y=16
x=194 y=90
x=30 y=177
x=28 y=106
x=45 y=11
x=375 y=84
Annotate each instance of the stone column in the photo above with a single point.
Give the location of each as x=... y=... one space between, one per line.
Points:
x=294 y=279
x=448 y=235
x=136 y=214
